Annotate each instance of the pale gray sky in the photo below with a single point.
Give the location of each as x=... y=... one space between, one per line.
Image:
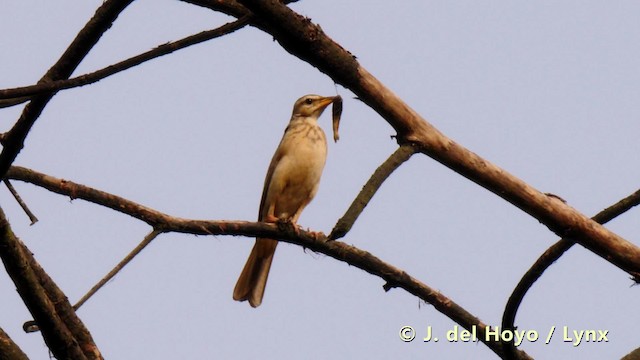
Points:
x=548 y=90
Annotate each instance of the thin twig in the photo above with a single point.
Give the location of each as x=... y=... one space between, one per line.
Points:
x=146 y=241
x=26 y=92
x=32 y=326
x=22 y=204
x=551 y=255
x=402 y=154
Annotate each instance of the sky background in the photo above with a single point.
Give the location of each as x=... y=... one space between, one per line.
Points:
x=548 y=90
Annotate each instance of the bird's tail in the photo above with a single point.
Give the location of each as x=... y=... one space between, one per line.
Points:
x=253 y=279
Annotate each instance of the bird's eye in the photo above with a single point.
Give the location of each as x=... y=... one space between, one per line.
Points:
x=308 y=101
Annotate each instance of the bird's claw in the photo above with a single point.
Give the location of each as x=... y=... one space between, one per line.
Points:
x=287 y=225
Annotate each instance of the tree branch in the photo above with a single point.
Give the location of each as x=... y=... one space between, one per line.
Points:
x=63 y=332
x=27 y=92
x=299 y=36
x=13 y=140
x=402 y=154
x=9 y=350
x=146 y=241
x=21 y=202
x=552 y=254
x=235 y=9
x=364 y=260
x=32 y=326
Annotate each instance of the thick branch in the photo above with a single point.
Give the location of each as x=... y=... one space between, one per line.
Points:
x=229 y=7
x=634 y=355
x=319 y=243
x=9 y=350
x=64 y=333
x=402 y=154
x=299 y=36
x=164 y=49
x=13 y=141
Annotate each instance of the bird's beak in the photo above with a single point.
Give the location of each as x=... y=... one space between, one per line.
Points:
x=324 y=102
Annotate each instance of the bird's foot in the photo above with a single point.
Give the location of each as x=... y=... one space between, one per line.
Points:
x=287 y=225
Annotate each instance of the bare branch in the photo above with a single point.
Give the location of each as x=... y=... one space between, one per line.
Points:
x=32 y=326
x=634 y=355
x=150 y=216
x=553 y=253
x=146 y=241
x=64 y=333
x=21 y=202
x=9 y=350
x=398 y=278
x=299 y=36
x=310 y=240
x=13 y=140
x=26 y=92
x=233 y=8
x=229 y=7
x=13 y=101
x=402 y=154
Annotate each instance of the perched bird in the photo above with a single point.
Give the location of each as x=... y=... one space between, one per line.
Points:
x=291 y=182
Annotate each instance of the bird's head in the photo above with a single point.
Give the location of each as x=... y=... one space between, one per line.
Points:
x=311 y=105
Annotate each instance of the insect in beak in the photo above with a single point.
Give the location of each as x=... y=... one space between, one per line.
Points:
x=336 y=112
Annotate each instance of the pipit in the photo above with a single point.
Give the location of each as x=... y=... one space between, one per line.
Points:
x=291 y=183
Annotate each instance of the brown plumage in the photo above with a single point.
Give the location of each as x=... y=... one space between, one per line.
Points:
x=291 y=183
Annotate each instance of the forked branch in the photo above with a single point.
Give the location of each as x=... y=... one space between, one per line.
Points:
x=25 y=93
x=13 y=140
x=364 y=260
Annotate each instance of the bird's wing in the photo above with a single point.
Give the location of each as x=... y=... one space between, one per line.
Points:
x=267 y=180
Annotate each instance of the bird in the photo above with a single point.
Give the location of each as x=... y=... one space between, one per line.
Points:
x=291 y=182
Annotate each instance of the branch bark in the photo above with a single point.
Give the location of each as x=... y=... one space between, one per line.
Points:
x=300 y=37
